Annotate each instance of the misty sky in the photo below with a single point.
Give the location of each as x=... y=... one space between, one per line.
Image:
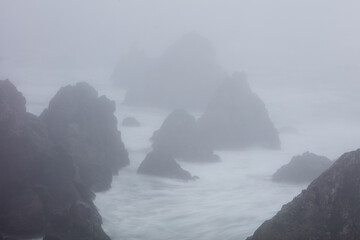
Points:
x=297 y=40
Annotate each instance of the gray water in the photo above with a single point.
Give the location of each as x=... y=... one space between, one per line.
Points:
x=232 y=197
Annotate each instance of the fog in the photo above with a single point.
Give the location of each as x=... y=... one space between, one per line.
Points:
x=299 y=60
x=287 y=41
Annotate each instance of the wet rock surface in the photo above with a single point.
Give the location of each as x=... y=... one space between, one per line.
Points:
x=41 y=192
x=84 y=125
x=327 y=210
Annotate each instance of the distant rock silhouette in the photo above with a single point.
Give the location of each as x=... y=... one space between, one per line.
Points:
x=130 y=122
x=185 y=76
x=40 y=191
x=327 y=210
x=179 y=137
x=133 y=69
x=84 y=125
x=303 y=168
x=236 y=118
x=160 y=164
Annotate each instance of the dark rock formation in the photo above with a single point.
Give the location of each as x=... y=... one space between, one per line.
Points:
x=130 y=122
x=160 y=164
x=84 y=126
x=179 y=137
x=303 y=168
x=40 y=191
x=329 y=209
x=236 y=118
x=185 y=76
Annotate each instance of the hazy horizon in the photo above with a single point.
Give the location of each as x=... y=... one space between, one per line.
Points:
x=301 y=42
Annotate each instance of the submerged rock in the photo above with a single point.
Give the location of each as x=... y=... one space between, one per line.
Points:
x=130 y=122
x=327 y=210
x=236 y=118
x=40 y=191
x=179 y=137
x=84 y=126
x=161 y=164
x=302 y=168
x=185 y=76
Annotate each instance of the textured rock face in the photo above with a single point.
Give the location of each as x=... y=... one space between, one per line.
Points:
x=236 y=118
x=84 y=126
x=179 y=137
x=40 y=192
x=130 y=122
x=185 y=76
x=329 y=209
x=160 y=164
x=302 y=168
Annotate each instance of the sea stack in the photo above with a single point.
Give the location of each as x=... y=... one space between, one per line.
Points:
x=302 y=169
x=184 y=76
x=41 y=193
x=179 y=137
x=236 y=118
x=327 y=210
x=157 y=163
x=84 y=125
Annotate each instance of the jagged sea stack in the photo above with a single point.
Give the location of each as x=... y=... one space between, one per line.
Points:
x=40 y=192
x=302 y=169
x=184 y=76
x=329 y=209
x=160 y=164
x=84 y=125
x=236 y=118
x=179 y=137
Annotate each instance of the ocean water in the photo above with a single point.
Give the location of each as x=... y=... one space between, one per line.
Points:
x=232 y=197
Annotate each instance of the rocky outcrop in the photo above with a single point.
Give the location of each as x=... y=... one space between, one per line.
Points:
x=236 y=118
x=84 y=125
x=327 y=210
x=41 y=193
x=185 y=76
x=179 y=137
x=303 y=168
x=130 y=122
x=160 y=164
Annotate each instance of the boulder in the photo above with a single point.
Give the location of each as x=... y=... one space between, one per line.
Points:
x=84 y=125
x=40 y=189
x=161 y=164
x=302 y=169
x=130 y=122
x=179 y=137
x=184 y=76
x=236 y=118
x=327 y=210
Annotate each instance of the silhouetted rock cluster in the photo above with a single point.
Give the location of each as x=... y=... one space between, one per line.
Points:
x=130 y=122
x=302 y=168
x=41 y=192
x=327 y=210
x=84 y=126
x=179 y=137
x=158 y=163
x=185 y=76
x=236 y=118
